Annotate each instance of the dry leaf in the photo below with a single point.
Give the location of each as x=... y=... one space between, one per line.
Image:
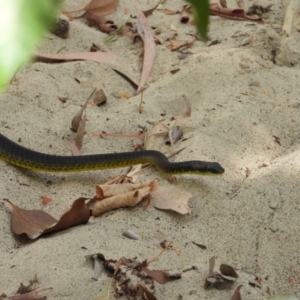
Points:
x=231 y=13
x=220 y=280
x=80 y=133
x=161 y=276
x=78 y=117
x=35 y=223
x=91 y=56
x=237 y=295
x=175 y=45
x=122 y=200
x=75 y=151
x=105 y=191
x=144 y=32
x=101 y=7
x=172 y=198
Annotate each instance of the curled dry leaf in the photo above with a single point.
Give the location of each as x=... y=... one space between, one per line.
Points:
x=35 y=223
x=145 y=33
x=220 y=280
x=172 y=198
x=118 y=196
x=105 y=191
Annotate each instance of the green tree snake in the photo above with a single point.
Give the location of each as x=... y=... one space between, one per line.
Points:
x=33 y=160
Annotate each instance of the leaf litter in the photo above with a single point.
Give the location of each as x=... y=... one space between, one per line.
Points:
x=130 y=277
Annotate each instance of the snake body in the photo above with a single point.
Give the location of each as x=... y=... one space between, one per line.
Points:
x=33 y=160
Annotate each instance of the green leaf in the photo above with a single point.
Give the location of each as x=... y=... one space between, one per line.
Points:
x=201 y=14
x=22 y=23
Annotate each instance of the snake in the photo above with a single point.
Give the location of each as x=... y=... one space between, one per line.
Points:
x=20 y=156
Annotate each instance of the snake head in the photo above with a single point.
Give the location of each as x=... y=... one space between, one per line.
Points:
x=208 y=168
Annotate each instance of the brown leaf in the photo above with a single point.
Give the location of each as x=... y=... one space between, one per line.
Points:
x=158 y=275
x=172 y=198
x=92 y=56
x=236 y=295
x=101 y=7
x=108 y=190
x=78 y=117
x=35 y=223
x=122 y=200
x=231 y=13
x=31 y=222
x=80 y=133
x=161 y=276
x=145 y=33
x=175 y=45
x=77 y=215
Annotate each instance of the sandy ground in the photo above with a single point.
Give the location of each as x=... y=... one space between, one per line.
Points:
x=244 y=94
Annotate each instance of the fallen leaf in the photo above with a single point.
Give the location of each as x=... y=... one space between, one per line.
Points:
x=158 y=275
x=175 y=45
x=121 y=200
x=237 y=295
x=110 y=190
x=161 y=276
x=221 y=280
x=101 y=7
x=144 y=32
x=78 y=117
x=35 y=223
x=91 y=56
x=231 y=13
x=172 y=198
x=80 y=133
